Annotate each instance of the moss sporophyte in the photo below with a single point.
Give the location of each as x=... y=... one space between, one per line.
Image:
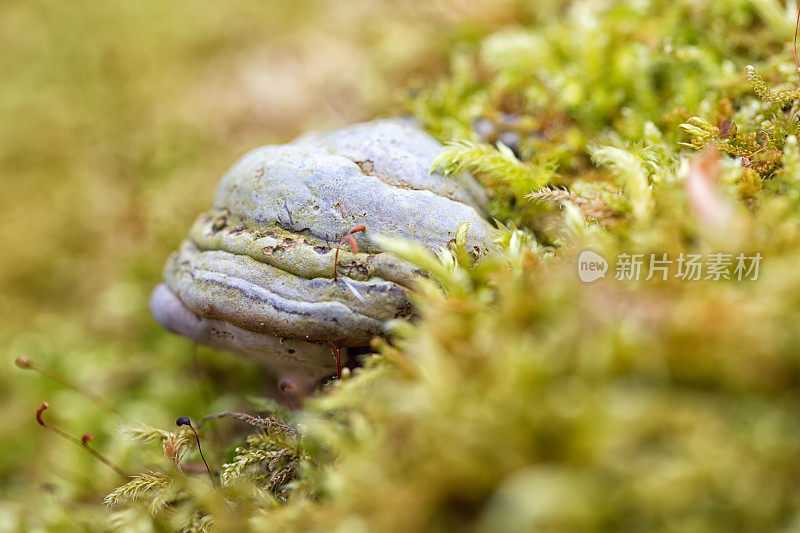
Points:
x=83 y=442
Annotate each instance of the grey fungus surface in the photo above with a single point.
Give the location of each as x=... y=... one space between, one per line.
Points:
x=308 y=187
x=270 y=349
x=259 y=297
x=259 y=265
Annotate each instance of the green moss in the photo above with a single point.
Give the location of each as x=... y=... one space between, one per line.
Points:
x=522 y=399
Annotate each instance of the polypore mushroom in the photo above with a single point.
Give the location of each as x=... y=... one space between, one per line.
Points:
x=256 y=273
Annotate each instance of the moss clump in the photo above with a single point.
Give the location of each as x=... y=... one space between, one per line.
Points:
x=524 y=399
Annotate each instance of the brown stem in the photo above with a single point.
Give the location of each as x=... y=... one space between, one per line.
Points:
x=83 y=443
x=27 y=364
x=353 y=247
x=796 y=25
x=288 y=388
x=338 y=355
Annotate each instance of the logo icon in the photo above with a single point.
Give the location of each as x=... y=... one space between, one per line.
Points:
x=591 y=266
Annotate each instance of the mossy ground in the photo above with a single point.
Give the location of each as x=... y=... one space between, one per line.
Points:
x=523 y=399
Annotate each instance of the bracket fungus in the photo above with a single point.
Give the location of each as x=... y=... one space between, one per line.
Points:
x=256 y=273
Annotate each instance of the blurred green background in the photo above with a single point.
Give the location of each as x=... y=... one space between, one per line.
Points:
x=117 y=119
